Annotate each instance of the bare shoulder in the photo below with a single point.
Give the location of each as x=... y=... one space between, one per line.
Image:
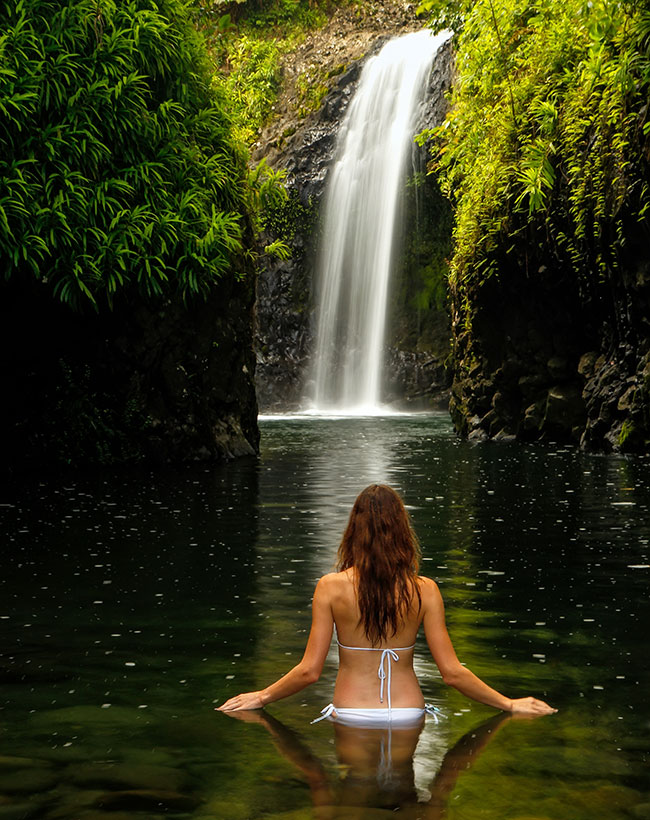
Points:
x=335 y=587
x=329 y=578
x=330 y=583
x=429 y=590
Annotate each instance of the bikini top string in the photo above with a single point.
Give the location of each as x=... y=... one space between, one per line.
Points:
x=385 y=664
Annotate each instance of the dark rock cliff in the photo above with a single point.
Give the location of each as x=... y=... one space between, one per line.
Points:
x=155 y=382
x=542 y=357
x=285 y=310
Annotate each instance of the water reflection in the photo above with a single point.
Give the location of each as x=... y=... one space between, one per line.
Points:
x=338 y=458
x=131 y=602
x=375 y=767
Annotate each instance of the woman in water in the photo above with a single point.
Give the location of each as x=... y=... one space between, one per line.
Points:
x=377 y=602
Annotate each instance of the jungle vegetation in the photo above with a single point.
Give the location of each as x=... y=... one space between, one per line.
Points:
x=123 y=152
x=118 y=162
x=545 y=153
x=248 y=40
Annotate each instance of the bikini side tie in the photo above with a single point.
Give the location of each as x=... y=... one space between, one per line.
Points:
x=435 y=713
x=324 y=713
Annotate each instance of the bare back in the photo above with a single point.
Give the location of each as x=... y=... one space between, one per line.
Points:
x=357 y=682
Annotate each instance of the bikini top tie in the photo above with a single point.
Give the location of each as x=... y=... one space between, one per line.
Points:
x=385 y=663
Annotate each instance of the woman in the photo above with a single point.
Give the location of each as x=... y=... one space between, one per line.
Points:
x=377 y=601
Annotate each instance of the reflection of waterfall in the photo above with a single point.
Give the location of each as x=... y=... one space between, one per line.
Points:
x=361 y=213
x=341 y=465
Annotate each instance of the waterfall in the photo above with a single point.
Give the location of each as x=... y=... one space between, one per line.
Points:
x=361 y=223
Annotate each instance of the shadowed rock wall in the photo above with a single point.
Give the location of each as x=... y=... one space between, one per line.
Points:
x=543 y=357
x=155 y=382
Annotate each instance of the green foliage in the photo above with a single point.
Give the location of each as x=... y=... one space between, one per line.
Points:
x=279 y=249
x=253 y=82
x=286 y=218
x=117 y=162
x=627 y=432
x=419 y=312
x=442 y=14
x=266 y=188
x=311 y=89
x=545 y=150
x=249 y=40
x=265 y=14
x=267 y=197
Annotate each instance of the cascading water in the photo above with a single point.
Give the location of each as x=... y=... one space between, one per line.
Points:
x=360 y=223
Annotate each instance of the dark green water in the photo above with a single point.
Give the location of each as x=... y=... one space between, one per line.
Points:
x=131 y=603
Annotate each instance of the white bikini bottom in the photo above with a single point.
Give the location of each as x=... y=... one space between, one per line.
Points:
x=369 y=718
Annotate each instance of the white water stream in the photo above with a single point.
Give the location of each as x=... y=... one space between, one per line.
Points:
x=362 y=226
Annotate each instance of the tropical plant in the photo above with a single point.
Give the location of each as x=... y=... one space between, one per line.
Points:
x=118 y=167
x=545 y=150
x=249 y=41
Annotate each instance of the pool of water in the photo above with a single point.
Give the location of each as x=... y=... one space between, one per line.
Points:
x=133 y=602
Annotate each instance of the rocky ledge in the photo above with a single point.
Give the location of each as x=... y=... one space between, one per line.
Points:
x=538 y=361
x=147 y=381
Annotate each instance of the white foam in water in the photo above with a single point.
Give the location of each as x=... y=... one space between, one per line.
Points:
x=364 y=411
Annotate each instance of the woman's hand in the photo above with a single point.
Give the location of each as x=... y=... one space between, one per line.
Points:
x=530 y=706
x=247 y=700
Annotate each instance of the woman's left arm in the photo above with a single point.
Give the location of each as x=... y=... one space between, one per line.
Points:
x=310 y=667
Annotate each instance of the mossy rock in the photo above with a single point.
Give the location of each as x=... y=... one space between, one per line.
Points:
x=19 y=811
x=220 y=807
x=128 y=776
x=334 y=72
x=28 y=781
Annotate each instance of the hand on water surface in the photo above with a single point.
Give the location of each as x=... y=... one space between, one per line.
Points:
x=247 y=700
x=531 y=707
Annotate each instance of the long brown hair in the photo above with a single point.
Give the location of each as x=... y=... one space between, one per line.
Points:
x=380 y=544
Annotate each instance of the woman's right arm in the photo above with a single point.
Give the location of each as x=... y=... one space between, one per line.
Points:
x=459 y=676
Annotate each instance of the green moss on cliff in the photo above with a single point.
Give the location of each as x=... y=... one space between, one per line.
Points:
x=420 y=311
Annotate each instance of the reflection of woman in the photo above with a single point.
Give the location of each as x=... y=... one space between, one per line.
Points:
x=377 y=601
x=378 y=766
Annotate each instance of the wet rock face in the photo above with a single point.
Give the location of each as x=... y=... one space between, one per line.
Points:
x=157 y=382
x=198 y=390
x=417 y=380
x=309 y=156
x=541 y=362
x=284 y=337
x=285 y=290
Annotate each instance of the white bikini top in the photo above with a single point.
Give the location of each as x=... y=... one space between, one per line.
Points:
x=385 y=663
